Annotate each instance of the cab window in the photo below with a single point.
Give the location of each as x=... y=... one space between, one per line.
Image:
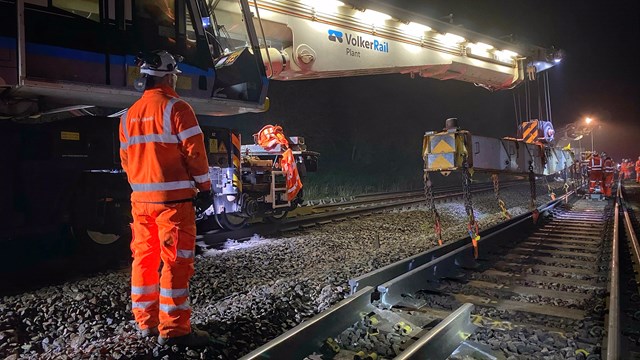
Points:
x=88 y=9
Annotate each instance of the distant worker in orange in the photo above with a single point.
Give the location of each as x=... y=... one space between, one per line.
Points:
x=638 y=170
x=609 y=172
x=623 y=169
x=628 y=169
x=594 y=169
x=163 y=153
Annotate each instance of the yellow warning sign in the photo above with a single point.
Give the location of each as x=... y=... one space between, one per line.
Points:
x=440 y=163
x=443 y=147
x=222 y=148
x=213 y=145
x=70 y=135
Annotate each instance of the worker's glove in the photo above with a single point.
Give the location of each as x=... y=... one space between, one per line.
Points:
x=203 y=200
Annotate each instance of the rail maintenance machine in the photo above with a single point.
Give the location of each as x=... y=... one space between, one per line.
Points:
x=67 y=73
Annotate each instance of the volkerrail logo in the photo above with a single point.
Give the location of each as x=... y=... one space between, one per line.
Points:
x=358 y=41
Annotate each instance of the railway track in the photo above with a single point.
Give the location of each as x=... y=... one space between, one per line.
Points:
x=321 y=214
x=534 y=291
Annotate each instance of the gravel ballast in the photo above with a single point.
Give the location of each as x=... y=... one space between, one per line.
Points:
x=244 y=294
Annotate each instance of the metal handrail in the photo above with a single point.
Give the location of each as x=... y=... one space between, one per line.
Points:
x=264 y=38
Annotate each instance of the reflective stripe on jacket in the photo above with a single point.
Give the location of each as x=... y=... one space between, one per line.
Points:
x=595 y=164
x=162 y=148
x=608 y=166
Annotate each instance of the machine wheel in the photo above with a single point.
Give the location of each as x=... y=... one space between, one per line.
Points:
x=100 y=223
x=276 y=217
x=231 y=221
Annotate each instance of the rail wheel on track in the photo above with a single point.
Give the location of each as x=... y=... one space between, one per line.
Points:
x=276 y=217
x=230 y=221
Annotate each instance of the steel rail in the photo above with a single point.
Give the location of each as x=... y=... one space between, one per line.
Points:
x=294 y=223
x=308 y=337
x=393 y=291
x=613 y=325
x=635 y=245
x=381 y=275
x=396 y=195
x=444 y=338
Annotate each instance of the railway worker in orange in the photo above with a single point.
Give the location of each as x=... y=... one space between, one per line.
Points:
x=163 y=153
x=638 y=170
x=594 y=169
x=623 y=169
x=628 y=169
x=609 y=172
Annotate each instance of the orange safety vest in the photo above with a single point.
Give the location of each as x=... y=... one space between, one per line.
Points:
x=595 y=164
x=269 y=137
x=162 y=148
x=608 y=166
x=638 y=166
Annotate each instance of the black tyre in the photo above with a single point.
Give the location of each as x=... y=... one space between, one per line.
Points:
x=276 y=217
x=100 y=218
x=230 y=221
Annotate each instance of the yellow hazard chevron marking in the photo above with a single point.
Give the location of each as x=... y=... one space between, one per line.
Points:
x=236 y=141
x=222 y=148
x=442 y=147
x=530 y=132
x=236 y=162
x=440 y=163
x=528 y=129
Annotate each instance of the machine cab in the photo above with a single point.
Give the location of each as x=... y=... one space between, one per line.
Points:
x=82 y=52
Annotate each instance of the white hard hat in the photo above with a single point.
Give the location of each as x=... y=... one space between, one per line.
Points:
x=159 y=63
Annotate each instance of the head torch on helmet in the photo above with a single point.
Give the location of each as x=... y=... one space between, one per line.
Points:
x=158 y=63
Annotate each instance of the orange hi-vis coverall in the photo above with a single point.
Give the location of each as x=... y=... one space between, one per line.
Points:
x=162 y=151
x=637 y=171
x=609 y=171
x=595 y=173
x=623 y=170
x=628 y=169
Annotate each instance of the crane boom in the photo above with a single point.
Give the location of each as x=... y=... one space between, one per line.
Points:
x=323 y=39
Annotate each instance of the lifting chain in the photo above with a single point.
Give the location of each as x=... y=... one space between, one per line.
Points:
x=532 y=188
x=550 y=192
x=472 y=226
x=496 y=191
x=431 y=203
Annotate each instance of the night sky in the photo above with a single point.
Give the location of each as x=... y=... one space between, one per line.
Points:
x=378 y=121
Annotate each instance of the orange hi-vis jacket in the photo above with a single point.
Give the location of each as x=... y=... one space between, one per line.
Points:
x=162 y=148
x=638 y=166
x=608 y=167
x=269 y=137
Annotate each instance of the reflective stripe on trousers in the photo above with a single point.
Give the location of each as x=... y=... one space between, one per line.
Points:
x=162 y=232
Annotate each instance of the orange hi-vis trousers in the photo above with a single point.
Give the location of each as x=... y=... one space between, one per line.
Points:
x=164 y=232
x=608 y=184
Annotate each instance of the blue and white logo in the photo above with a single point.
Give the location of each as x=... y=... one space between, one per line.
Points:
x=335 y=35
x=358 y=41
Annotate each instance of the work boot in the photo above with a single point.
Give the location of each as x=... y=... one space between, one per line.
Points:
x=196 y=338
x=149 y=332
